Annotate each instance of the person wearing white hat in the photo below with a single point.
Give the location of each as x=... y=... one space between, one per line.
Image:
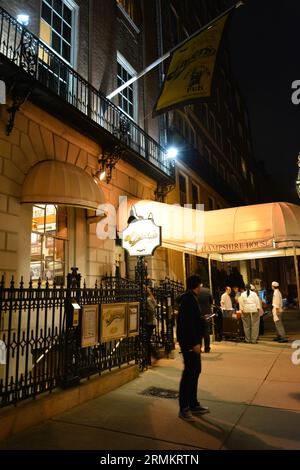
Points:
x=249 y=306
x=277 y=313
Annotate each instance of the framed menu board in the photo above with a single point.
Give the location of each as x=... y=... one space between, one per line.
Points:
x=133 y=317
x=89 y=325
x=113 y=322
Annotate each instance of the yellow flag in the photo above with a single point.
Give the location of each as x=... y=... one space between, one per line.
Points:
x=191 y=69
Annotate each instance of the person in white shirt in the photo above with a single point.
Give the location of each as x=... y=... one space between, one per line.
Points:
x=226 y=303
x=249 y=306
x=277 y=313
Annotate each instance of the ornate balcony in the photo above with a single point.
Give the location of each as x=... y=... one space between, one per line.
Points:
x=33 y=70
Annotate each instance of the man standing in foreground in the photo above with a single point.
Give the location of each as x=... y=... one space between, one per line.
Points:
x=190 y=330
x=277 y=313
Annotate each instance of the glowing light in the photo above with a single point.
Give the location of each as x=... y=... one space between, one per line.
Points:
x=23 y=19
x=172 y=152
x=102 y=176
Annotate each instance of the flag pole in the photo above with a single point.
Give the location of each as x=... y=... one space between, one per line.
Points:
x=167 y=54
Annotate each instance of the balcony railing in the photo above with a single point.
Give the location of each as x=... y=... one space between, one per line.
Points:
x=26 y=51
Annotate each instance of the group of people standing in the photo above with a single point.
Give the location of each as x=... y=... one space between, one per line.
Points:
x=247 y=303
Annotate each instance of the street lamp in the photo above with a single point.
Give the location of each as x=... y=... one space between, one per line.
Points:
x=172 y=152
x=298 y=179
x=23 y=19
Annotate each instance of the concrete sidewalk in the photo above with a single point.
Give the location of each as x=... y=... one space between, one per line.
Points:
x=253 y=392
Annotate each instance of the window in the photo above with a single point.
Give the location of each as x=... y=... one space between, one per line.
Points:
x=244 y=167
x=128 y=6
x=207 y=154
x=205 y=115
x=240 y=130
x=229 y=150
x=195 y=195
x=128 y=96
x=193 y=138
x=235 y=158
x=211 y=203
x=48 y=242
x=219 y=136
x=232 y=123
x=212 y=124
x=174 y=26
x=182 y=190
x=215 y=162
x=238 y=101
x=57 y=27
x=222 y=171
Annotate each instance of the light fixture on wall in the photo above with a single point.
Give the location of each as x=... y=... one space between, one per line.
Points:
x=23 y=19
x=106 y=164
x=100 y=174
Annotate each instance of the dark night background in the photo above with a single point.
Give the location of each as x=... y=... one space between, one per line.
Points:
x=264 y=40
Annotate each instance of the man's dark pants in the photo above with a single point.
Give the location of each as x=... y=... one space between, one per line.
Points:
x=189 y=380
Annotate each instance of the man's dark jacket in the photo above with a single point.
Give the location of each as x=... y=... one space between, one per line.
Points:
x=205 y=301
x=190 y=322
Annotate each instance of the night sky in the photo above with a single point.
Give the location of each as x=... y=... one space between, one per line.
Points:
x=264 y=40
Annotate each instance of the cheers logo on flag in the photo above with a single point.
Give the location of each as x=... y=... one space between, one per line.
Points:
x=191 y=69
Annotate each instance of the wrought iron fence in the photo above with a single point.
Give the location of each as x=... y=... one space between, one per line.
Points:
x=43 y=346
x=37 y=60
x=165 y=295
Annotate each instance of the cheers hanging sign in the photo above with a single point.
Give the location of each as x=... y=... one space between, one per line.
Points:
x=141 y=237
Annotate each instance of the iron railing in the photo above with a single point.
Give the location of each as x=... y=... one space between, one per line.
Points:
x=39 y=62
x=165 y=295
x=43 y=346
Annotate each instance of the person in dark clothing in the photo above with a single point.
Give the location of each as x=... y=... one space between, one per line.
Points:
x=190 y=330
x=205 y=301
x=150 y=325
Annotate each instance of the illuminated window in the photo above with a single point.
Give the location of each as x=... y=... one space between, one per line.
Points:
x=48 y=242
x=128 y=6
x=57 y=27
x=128 y=96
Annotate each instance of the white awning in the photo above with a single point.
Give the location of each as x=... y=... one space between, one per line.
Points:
x=255 y=231
x=54 y=182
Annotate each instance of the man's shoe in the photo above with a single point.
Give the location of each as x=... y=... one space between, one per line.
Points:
x=276 y=339
x=282 y=340
x=207 y=350
x=200 y=410
x=186 y=415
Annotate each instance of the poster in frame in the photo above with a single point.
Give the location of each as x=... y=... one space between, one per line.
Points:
x=36 y=269
x=113 y=322
x=89 y=325
x=133 y=317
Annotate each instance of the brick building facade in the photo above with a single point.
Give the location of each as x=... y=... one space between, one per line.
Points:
x=85 y=50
